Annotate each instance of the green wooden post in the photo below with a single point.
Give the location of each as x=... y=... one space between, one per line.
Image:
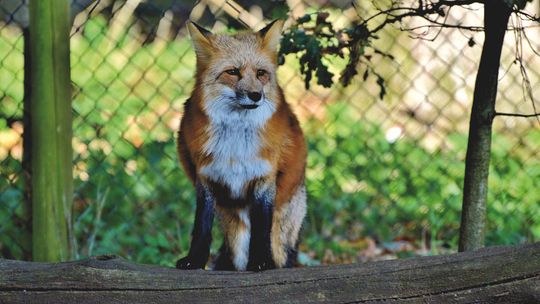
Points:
x=51 y=130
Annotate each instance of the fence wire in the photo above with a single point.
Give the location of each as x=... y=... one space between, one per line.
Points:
x=384 y=176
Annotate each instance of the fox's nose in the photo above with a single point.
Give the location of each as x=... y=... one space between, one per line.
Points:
x=255 y=96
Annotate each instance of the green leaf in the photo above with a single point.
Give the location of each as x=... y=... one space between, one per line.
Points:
x=304 y=19
x=324 y=77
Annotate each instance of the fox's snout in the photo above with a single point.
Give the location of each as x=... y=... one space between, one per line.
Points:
x=254 y=96
x=248 y=99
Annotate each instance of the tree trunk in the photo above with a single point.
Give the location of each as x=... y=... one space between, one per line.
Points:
x=490 y=275
x=51 y=130
x=473 y=216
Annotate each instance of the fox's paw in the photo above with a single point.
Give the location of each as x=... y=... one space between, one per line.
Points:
x=261 y=264
x=188 y=263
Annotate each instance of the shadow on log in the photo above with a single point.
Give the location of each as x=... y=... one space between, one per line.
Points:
x=490 y=275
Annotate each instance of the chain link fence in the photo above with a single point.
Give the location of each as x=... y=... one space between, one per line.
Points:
x=384 y=175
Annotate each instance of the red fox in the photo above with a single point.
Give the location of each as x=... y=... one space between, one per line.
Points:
x=243 y=149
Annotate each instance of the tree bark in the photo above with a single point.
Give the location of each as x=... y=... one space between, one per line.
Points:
x=51 y=130
x=489 y=275
x=475 y=188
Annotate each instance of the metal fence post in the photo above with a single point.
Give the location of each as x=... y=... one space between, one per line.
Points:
x=51 y=130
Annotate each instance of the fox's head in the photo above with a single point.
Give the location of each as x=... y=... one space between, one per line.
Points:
x=237 y=73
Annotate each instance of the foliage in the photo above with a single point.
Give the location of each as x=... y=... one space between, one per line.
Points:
x=132 y=198
x=478 y=153
x=390 y=190
x=358 y=183
x=11 y=213
x=314 y=40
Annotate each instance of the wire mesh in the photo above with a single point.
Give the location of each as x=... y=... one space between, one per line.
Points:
x=384 y=176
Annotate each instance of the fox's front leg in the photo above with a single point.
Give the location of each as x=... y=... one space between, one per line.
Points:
x=260 y=250
x=202 y=230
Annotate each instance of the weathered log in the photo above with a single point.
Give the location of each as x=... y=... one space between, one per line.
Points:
x=490 y=275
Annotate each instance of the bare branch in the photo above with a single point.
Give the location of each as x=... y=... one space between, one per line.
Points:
x=471 y=28
x=527 y=15
x=517 y=114
x=397 y=14
x=519 y=34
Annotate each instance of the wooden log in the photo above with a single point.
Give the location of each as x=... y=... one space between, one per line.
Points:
x=489 y=275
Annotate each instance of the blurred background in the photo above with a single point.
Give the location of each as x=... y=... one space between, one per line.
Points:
x=384 y=176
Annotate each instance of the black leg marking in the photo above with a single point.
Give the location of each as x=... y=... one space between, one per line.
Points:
x=260 y=251
x=292 y=254
x=224 y=259
x=202 y=231
x=292 y=258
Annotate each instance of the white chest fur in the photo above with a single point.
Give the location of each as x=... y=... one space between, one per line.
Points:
x=234 y=144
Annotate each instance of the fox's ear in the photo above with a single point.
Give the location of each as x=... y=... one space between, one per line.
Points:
x=271 y=34
x=200 y=37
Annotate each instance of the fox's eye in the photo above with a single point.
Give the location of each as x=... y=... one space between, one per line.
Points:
x=235 y=72
x=261 y=73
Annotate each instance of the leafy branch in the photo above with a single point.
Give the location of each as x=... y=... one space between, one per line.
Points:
x=313 y=38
